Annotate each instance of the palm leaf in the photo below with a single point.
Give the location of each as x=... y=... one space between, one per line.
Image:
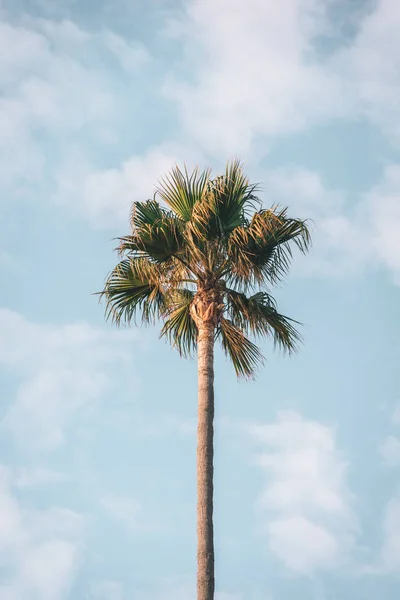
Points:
x=258 y=315
x=134 y=287
x=159 y=240
x=232 y=196
x=245 y=355
x=179 y=326
x=181 y=190
x=146 y=213
x=261 y=251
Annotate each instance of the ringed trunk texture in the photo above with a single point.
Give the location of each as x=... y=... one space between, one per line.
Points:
x=205 y=468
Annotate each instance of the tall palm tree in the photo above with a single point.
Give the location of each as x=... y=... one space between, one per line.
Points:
x=200 y=257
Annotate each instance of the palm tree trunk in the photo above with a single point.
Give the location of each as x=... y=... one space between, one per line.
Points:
x=205 y=469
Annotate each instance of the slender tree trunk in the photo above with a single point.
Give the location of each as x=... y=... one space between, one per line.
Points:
x=205 y=469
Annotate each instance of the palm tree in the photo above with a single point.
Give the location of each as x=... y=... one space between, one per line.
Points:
x=200 y=257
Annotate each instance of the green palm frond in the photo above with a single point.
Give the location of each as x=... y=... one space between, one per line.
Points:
x=223 y=207
x=273 y=225
x=146 y=213
x=179 y=327
x=232 y=197
x=258 y=315
x=261 y=251
x=134 y=287
x=245 y=355
x=159 y=240
x=181 y=190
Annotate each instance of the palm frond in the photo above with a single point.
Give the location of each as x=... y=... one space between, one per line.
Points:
x=159 y=240
x=245 y=355
x=146 y=213
x=179 y=327
x=262 y=251
x=223 y=205
x=258 y=315
x=181 y=190
x=232 y=197
x=134 y=287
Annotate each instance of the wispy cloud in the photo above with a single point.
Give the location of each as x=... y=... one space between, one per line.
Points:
x=390 y=451
x=105 y=196
x=306 y=506
x=254 y=69
x=39 y=549
x=350 y=234
x=53 y=81
x=63 y=373
x=259 y=70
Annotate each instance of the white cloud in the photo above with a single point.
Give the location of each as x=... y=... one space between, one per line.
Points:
x=107 y=195
x=383 y=205
x=130 y=56
x=39 y=550
x=305 y=506
x=370 y=66
x=287 y=539
x=64 y=372
x=255 y=71
x=338 y=240
x=347 y=236
x=390 y=451
x=258 y=69
x=53 y=81
x=390 y=446
x=390 y=555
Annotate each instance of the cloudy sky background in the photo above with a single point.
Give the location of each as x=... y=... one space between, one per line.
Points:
x=97 y=426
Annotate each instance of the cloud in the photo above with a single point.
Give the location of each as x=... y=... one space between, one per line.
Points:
x=339 y=241
x=305 y=506
x=54 y=84
x=369 y=67
x=259 y=69
x=383 y=206
x=390 y=446
x=390 y=555
x=348 y=235
x=129 y=56
x=252 y=72
x=39 y=550
x=390 y=451
x=105 y=196
x=64 y=372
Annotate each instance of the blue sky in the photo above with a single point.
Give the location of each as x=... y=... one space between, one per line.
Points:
x=97 y=425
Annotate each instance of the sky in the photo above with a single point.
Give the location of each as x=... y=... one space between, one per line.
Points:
x=97 y=424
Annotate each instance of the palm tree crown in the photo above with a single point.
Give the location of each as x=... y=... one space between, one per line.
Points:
x=205 y=250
